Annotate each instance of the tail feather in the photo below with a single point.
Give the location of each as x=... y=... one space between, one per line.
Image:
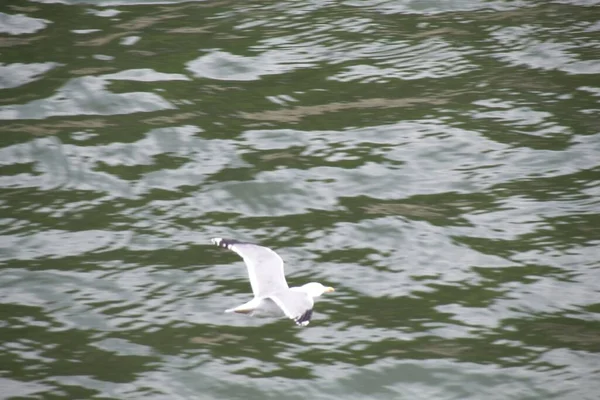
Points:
x=246 y=308
x=239 y=311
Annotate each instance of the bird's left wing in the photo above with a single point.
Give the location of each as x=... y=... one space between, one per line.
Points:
x=265 y=267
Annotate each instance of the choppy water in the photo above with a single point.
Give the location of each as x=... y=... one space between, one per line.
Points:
x=438 y=162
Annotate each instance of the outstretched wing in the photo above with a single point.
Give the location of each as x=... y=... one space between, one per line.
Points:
x=265 y=267
x=295 y=305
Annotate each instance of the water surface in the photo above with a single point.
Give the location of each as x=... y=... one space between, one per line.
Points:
x=437 y=162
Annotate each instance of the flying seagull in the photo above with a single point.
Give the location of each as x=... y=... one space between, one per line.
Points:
x=272 y=295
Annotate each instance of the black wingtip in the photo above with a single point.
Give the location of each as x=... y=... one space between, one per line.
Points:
x=226 y=243
x=304 y=319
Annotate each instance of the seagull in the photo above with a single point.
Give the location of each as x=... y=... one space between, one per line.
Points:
x=272 y=295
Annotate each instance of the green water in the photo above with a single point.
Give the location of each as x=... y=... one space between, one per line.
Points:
x=437 y=162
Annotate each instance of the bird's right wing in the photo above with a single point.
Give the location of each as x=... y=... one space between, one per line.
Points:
x=295 y=305
x=265 y=267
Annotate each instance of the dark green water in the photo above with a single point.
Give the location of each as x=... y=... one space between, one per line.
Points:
x=437 y=162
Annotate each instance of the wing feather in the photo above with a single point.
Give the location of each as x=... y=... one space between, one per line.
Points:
x=265 y=267
x=295 y=305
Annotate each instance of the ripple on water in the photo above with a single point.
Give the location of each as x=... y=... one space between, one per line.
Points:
x=19 y=24
x=85 y=96
x=539 y=54
x=18 y=74
x=88 y=167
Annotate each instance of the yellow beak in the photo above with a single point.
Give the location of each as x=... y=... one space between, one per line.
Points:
x=329 y=289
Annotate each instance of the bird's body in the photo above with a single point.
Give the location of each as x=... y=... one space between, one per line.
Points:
x=272 y=295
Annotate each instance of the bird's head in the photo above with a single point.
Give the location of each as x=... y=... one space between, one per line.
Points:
x=315 y=289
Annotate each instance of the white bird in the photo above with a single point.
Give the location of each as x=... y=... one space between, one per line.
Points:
x=272 y=295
